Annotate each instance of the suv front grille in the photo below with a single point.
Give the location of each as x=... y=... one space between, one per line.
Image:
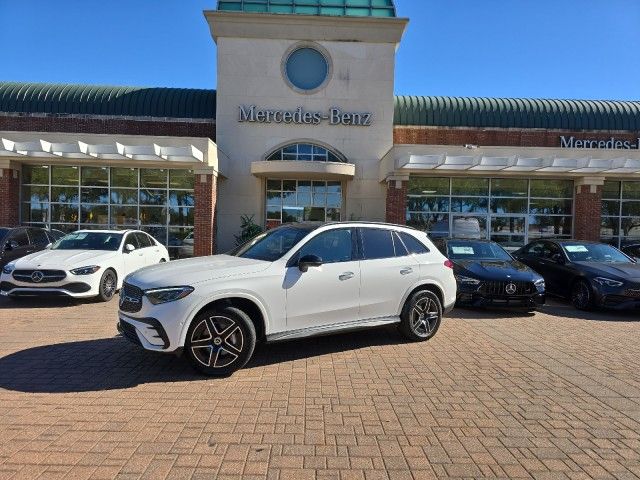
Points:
x=42 y=276
x=500 y=288
x=130 y=298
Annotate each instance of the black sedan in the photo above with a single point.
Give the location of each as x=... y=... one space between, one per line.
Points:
x=488 y=276
x=590 y=274
x=20 y=241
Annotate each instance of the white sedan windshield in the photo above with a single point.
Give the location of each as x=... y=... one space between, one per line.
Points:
x=89 y=241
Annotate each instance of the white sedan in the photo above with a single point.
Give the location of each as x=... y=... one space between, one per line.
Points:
x=86 y=263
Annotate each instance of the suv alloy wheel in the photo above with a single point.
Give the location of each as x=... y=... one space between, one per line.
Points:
x=220 y=341
x=421 y=316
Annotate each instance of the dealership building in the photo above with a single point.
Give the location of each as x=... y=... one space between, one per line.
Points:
x=304 y=125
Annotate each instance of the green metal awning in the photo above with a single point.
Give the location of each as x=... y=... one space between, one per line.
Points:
x=20 y=97
x=517 y=113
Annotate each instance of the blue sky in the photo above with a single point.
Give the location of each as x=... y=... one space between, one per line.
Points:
x=522 y=48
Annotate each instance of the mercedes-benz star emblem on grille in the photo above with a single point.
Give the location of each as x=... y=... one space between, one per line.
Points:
x=37 y=276
x=510 y=288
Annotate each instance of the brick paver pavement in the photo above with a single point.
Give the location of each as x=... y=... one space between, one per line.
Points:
x=555 y=395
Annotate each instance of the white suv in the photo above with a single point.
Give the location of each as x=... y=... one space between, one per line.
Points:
x=295 y=281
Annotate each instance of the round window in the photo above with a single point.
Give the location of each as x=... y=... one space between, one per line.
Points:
x=306 y=68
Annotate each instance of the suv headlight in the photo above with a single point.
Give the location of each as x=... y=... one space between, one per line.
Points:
x=539 y=283
x=85 y=270
x=165 y=295
x=8 y=268
x=467 y=280
x=608 y=282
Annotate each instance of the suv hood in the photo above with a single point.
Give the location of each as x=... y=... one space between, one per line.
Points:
x=63 y=259
x=194 y=270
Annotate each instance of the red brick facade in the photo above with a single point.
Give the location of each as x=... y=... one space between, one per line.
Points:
x=588 y=210
x=496 y=136
x=108 y=125
x=205 y=215
x=396 y=202
x=9 y=197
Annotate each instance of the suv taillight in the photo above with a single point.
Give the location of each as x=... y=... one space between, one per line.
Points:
x=448 y=263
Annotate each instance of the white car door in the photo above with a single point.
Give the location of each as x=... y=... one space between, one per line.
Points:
x=151 y=252
x=327 y=294
x=135 y=259
x=387 y=270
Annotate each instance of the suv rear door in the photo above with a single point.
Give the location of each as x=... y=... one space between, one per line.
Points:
x=388 y=272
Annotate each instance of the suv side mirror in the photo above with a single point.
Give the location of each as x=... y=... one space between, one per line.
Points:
x=558 y=258
x=309 y=261
x=128 y=248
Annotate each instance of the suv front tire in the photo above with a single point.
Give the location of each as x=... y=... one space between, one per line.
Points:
x=220 y=341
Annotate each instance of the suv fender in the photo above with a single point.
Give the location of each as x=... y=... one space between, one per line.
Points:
x=430 y=284
x=222 y=296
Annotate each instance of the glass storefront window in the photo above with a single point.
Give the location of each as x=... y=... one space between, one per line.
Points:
x=63 y=175
x=67 y=198
x=302 y=200
x=620 y=212
x=507 y=210
x=95 y=176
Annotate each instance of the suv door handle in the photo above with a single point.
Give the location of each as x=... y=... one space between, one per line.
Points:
x=406 y=271
x=346 y=276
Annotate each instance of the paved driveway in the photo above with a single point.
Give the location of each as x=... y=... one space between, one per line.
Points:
x=555 y=395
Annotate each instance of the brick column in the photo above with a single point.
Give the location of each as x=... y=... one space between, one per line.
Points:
x=205 y=215
x=588 y=209
x=396 y=201
x=9 y=197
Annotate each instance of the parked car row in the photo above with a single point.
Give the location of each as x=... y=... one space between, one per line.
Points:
x=589 y=274
x=86 y=263
x=307 y=279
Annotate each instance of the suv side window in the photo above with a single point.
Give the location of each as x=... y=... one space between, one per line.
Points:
x=38 y=237
x=333 y=246
x=401 y=250
x=143 y=240
x=377 y=243
x=413 y=244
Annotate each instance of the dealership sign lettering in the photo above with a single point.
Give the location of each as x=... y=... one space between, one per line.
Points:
x=334 y=116
x=612 y=143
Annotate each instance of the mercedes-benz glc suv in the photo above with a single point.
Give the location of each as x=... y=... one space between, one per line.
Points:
x=294 y=281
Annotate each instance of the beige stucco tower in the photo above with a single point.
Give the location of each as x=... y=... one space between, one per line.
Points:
x=267 y=100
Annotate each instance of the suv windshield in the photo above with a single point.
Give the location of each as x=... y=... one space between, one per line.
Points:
x=89 y=241
x=466 y=250
x=594 y=252
x=272 y=245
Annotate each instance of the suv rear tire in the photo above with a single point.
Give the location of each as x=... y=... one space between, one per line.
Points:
x=421 y=316
x=220 y=341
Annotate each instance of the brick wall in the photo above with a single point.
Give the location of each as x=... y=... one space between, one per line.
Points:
x=9 y=197
x=396 y=202
x=108 y=125
x=205 y=215
x=588 y=211
x=496 y=136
